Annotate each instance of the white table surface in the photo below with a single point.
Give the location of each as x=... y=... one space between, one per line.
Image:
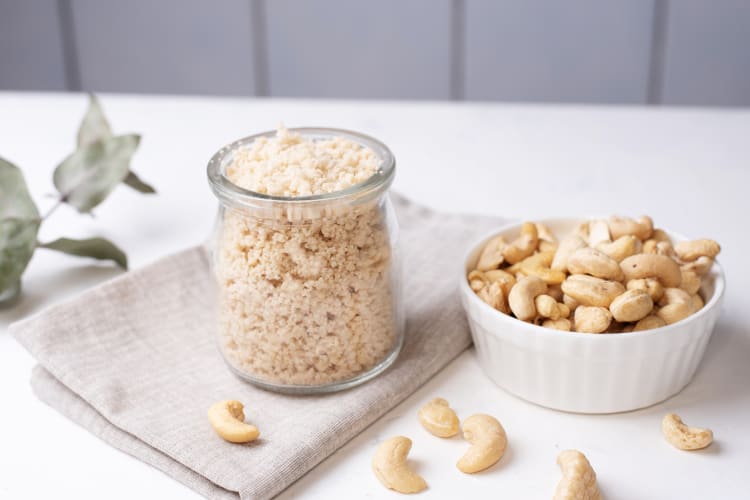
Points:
x=688 y=168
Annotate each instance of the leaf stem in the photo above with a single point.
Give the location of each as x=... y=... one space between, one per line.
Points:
x=54 y=207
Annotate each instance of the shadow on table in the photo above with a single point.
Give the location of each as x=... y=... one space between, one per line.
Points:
x=40 y=292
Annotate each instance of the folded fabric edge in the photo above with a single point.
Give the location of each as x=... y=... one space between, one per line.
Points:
x=17 y=327
x=60 y=398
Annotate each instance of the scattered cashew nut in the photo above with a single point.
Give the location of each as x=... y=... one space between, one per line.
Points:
x=488 y=442
x=439 y=418
x=390 y=467
x=683 y=437
x=579 y=479
x=228 y=420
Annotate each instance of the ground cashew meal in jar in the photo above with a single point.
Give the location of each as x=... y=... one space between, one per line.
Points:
x=304 y=298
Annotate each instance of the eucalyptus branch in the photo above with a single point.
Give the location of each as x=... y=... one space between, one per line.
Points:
x=100 y=162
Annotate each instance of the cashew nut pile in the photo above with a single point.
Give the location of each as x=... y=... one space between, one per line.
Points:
x=228 y=420
x=683 y=437
x=609 y=276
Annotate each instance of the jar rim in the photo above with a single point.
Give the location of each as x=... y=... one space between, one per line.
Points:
x=229 y=192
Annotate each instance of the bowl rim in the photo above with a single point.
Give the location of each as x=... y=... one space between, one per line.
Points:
x=717 y=270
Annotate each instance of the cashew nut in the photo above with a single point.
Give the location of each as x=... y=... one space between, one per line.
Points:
x=642 y=228
x=494 y=296
x=677 y=305
x=555 y=291
x=594 y=262
x=522 y=295
x=591 y=291
x=567 y=246
x=673 y=296
x=598 y=232
x=477 y=280
x=683 y=437
x=488 y=442
x=228 y=420
x=505 y=279
x=622 y=247
x=660 y=235
x=690 y=250
x=492 y=254
x=547 y=240
x=579 y=479
x=439 y=418
x=673 y=313
x=644 y=265
x=632 y=305
x=691 y=282
x=570 y=302
x=648 y=323
x=700 y=266
x=523 y=246
x=538 y=265
x=390 y=467
x=558 y=324
x=591 y=319
x=548 y=307
x=650 y=285
x=696 y=301
x=665 y=248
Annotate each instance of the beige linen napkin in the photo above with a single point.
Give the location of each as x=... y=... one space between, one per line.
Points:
x=134 y=361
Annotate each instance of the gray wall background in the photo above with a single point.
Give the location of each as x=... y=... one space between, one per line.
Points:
x=686 y=52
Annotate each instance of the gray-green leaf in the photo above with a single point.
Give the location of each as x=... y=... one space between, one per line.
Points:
x=19 y=224
x=86 y=177
x=94 y=126
x=136 y=183
x=96 y=248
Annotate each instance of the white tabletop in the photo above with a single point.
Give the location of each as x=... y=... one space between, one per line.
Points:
x=689 y=169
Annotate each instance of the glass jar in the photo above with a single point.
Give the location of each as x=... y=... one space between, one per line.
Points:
x=309 y=287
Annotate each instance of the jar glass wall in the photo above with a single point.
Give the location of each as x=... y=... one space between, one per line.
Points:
x=309 y=290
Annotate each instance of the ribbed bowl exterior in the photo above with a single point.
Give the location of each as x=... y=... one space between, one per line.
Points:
x=589 y=373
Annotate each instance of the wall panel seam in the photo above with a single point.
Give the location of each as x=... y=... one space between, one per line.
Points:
x=458 y=49
x=71 y=65
x=657 y=56
x=259 y=34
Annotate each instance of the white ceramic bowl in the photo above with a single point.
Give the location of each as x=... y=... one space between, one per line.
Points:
x=581 y=372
